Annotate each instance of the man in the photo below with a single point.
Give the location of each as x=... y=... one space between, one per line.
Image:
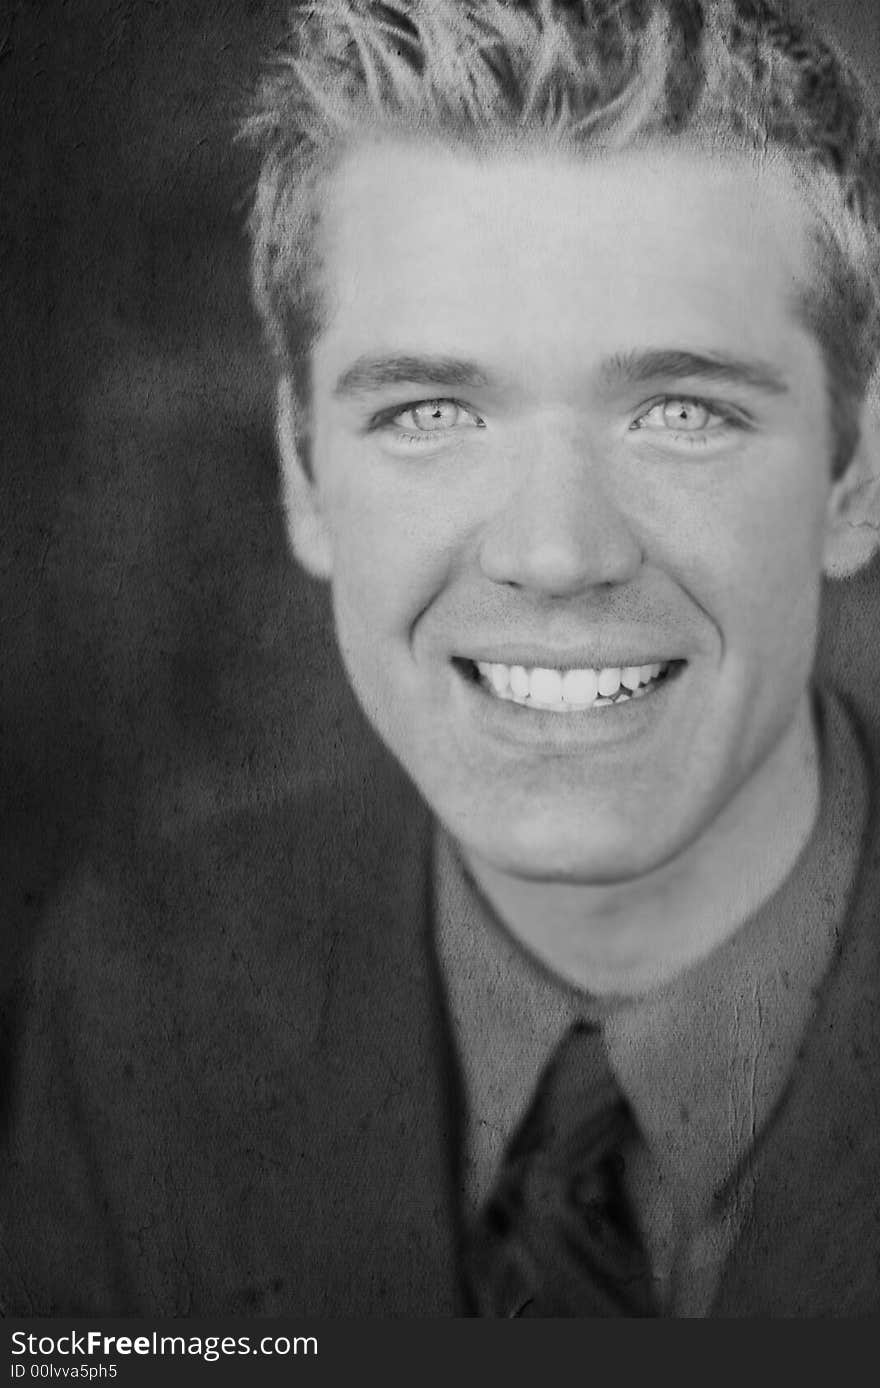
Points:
x=577 y=311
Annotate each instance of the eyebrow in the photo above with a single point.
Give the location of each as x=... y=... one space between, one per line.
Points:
x=370 y=373
x=374 y=373
x=638 y=368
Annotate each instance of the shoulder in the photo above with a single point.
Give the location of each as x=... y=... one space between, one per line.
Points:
x=243 y=911
x=211 y=1018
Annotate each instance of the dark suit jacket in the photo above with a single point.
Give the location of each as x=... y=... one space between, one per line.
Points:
x=235 y=1092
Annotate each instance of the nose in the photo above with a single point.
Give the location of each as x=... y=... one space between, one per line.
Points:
x=559 y=529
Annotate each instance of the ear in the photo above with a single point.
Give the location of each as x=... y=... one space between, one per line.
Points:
x=306 y=528
x=852 y=534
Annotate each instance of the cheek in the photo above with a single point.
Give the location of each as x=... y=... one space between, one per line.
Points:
x=745 y=543
x=391 y=555
x=778 y=550
x=762 y=553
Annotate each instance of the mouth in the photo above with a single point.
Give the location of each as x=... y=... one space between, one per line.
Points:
x=567 y=690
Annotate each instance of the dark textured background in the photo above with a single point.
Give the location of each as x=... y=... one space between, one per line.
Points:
x=159 y=654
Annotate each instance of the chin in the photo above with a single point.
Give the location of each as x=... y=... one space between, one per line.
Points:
x=591 y=856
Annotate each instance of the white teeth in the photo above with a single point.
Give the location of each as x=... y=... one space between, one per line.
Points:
x=580 y=686
x=630 y=678
x=565 y=691
x=545 y=686
x=519 y=681
x=609 y=682
x=500 y=677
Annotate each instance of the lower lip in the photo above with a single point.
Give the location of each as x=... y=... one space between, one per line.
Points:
x=527 y=725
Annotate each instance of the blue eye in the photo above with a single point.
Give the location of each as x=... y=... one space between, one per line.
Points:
x=689 y=420
x=430 y=417
x=426 y=421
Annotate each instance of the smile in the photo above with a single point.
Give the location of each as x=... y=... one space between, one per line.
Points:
x=569 y=690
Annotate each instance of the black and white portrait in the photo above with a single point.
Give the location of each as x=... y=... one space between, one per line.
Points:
x=440 y=726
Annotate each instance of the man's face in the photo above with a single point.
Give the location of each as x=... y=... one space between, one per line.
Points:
x=571 y=459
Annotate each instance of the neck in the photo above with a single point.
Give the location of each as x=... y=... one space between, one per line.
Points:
x=629 y=937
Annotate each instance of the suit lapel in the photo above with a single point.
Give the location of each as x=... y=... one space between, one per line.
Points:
x=384 y=1110
x=808 y=1246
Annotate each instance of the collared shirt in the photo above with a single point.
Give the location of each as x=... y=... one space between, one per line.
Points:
x=704 y=1060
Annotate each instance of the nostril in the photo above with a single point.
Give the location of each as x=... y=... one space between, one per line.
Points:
x=561 y=555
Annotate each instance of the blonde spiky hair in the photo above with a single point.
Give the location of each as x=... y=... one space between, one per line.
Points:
x=583 y=73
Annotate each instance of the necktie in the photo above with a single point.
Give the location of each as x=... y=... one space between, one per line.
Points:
x=557 y=1236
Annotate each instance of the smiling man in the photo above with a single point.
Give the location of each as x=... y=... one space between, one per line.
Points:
x=577 y=315
x=577 y=593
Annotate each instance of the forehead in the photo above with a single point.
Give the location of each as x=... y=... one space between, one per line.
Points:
x=547 y=260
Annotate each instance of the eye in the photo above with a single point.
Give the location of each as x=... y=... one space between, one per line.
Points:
x=680 y=415
x=430 y=417
x=427 y=420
